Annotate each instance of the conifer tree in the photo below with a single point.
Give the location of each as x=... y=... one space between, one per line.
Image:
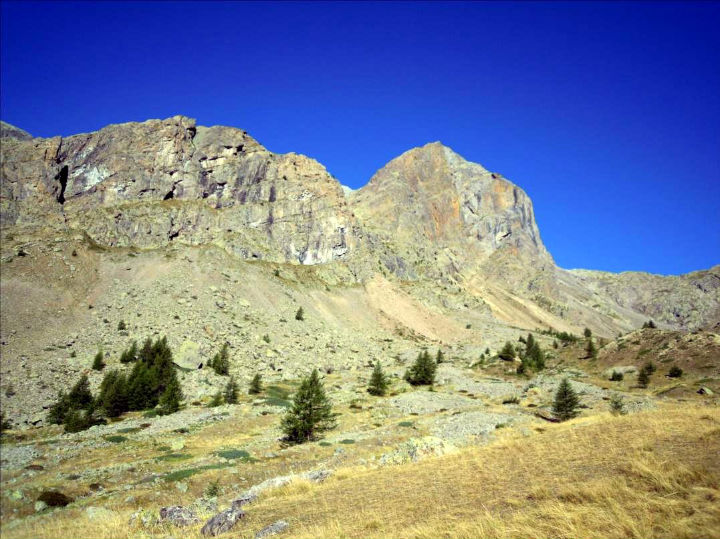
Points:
x=57 y=412
x=113 y=397
x=644 y=378
x=130 y=354
x=231 y=392
x=171 y=397
x=80 y=396
x=4 y=423
x=311 y=412
x=508 y=352
x=440 y=357
x=300 y=314
x=587 y=333
x=422 y=372
x=566 y=401
x=98 y=363
x=220 y=362
x=590 y=349
x=378 y=381
x=256 y=385
x=217 y=400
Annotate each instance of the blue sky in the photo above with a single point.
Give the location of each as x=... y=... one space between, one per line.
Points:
x=607 y=114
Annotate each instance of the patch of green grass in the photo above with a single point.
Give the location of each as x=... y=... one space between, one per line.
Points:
x=129 y=430
x=164 y=448
x=179 y=475
x=325 y=444
x=174 y=457
x=405 y=424
x=116 y=439
x=347 y=441
x=278 y=392
x=150 y=413
x=276 y=401
x=643 y=352
x=233 y=454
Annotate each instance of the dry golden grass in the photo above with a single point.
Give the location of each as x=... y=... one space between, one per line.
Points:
x=652 y=474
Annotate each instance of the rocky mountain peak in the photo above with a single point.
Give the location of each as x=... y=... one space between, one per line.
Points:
x=8 y=131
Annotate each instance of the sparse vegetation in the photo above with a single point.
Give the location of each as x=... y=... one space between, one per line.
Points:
x=617 y=405
x=300 y=314
x=616 y=376
x=649 y=325
x=590 y=350
x=122 y=326
x=129 y=355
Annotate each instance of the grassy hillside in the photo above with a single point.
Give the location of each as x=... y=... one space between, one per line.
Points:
x=649 y=474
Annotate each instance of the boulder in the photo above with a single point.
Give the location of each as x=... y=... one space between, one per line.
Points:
x=223 y=521
x=272 y=529
x=178 y=515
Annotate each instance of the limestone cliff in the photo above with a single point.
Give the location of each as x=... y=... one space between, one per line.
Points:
x=147 y=184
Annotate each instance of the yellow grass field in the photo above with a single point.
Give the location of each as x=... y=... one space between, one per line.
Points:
x=650 y=474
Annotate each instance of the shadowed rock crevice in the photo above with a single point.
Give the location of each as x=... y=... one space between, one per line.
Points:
x=62 y=178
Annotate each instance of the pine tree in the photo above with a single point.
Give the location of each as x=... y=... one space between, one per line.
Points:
x=220 y=362
x=217 y=400
x=675 y=372
x=300 y=314
x=122 y=326
x=644 y=378
x=378 y=381
x=231 y=392
x=78 y=420
x=141 y=387
x=590 y=349
x=80 y=396
x=130 y=354
x=311 y=412
x=256 y=385
x=440 y=357
x=171 y=397
x=616 y=376
x=587 y=333
x=566 y=401
x=98 y=363
x=422 y=372
x=113 y=398
x=508 y=352
x=57 y=412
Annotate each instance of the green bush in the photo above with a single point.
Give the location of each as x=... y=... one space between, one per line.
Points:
x=508 y=352
x=616 y=376
x=300 y=314
x=675 y=372
x=256 y=385
x=231 y=392
x=220 y=362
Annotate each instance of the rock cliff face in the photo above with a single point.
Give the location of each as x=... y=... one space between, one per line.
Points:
x=441 y=211
x=428 y=218
x=151 y=183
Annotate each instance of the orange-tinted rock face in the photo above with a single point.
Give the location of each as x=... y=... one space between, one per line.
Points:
x=432 y=197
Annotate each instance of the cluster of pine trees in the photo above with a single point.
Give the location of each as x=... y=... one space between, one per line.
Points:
x=151 y=383
x=532 y=358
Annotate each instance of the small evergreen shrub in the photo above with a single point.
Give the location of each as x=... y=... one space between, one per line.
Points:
x=98 y=361
x=616 y=376
x=300 y=314
x=617 y=406
x=566 y=401
x=231 y=392
x=378 y=381
x=255 y=385
x=675 y=372
x=507 y=353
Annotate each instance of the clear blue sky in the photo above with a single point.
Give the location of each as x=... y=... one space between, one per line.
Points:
x=607 y=114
